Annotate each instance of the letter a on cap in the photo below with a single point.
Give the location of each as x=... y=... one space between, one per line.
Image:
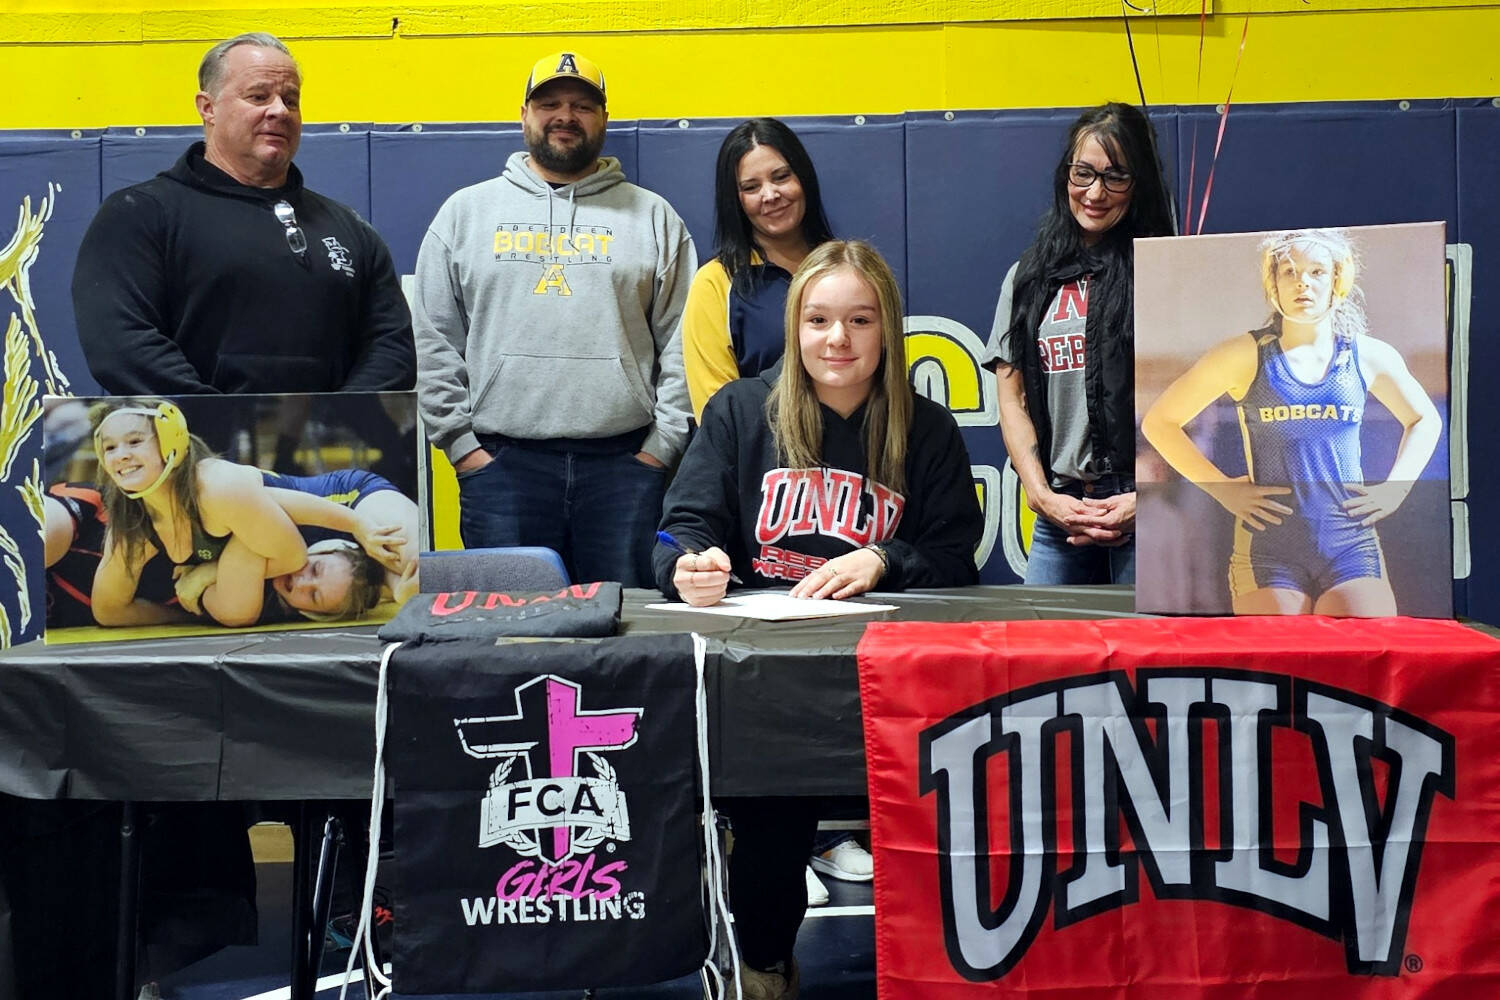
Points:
x=565 y=65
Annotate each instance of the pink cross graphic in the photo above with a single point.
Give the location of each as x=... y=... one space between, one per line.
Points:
x=570 y=730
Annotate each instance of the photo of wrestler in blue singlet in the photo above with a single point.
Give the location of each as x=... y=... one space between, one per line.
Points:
x=1306 y=508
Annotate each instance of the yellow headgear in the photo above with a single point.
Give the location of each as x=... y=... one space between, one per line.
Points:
x=172 y=438
x=1338 y=245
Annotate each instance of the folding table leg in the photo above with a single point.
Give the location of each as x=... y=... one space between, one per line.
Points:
x=312 y=895
x=128 y=916
x=302 y=878
x=322 y=900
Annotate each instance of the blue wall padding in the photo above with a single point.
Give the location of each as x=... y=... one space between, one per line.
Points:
x=339 y=160
x=951 y=203
x=669 y=154
x=863 y=177
x=1339 y=164
x=28 y=162
x=411 y=173
x=976 y=187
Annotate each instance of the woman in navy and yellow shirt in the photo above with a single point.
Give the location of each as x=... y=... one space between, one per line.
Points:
x=768 y=215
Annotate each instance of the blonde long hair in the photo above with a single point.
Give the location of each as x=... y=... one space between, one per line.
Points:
x=792 y=408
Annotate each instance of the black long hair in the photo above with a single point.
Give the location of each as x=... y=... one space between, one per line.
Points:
x=734 y=239
x=1058 y=253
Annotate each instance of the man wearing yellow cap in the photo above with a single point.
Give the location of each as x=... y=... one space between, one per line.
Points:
x=547 y=312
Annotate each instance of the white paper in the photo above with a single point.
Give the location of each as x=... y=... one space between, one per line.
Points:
x=777 y=606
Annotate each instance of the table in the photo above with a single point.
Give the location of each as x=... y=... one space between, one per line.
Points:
x=289 y=715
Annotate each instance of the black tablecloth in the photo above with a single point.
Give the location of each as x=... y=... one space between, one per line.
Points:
x=289 y=715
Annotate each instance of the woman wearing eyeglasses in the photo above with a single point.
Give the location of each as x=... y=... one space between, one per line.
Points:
x=1062 y=349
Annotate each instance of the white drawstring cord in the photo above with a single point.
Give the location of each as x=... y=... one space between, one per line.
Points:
x=363 y=931
x=718 y=902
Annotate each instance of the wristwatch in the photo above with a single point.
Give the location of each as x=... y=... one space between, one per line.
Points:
x=885 y=558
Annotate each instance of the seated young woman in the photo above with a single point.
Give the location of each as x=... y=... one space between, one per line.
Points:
x=829 y=475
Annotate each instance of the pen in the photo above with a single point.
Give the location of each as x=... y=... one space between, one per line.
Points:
x=666 y=539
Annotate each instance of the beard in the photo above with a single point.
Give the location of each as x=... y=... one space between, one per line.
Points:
x=569 y=160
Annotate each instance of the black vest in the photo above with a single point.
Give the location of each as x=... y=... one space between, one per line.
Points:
x=1109 y=374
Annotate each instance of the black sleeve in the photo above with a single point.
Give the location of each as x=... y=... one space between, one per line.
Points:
x=387 y=355
x=938 y=549
x=119 y=302
x=701 y=508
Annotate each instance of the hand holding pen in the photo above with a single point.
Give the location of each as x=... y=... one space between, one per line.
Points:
x=701 y=578
x=666 y=539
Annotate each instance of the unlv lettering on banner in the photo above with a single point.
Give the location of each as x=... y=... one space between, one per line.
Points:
x=1209 y=792
x=1152 y=786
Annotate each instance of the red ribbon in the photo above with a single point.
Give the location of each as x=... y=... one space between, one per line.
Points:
x=1208 y=186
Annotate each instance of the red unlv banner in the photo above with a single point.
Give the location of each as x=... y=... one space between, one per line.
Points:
x=1171 y=809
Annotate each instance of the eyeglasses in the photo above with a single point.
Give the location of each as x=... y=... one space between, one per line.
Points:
x=294 y=236
x=1081 y=175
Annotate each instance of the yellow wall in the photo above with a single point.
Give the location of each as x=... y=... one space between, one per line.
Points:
x=125 y=65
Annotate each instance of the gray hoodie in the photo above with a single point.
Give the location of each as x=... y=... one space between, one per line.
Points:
x=543 y=313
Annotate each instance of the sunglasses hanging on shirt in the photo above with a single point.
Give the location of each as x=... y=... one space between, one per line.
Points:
x=296 y=240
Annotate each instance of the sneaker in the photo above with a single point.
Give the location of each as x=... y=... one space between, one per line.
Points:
x=772 y=985
x=846 y=861
x=817 y=892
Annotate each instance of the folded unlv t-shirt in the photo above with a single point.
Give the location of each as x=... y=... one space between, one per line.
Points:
x=584 y=610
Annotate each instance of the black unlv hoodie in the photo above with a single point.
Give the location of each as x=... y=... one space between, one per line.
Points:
x=778 y=524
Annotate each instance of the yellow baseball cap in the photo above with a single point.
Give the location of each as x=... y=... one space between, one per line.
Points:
x=565 y=65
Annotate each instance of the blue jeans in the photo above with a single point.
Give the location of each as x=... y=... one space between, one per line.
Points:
x=1051 y=560
x=599 y=510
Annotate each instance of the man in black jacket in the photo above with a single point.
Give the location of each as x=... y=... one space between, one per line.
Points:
x=225 y=274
